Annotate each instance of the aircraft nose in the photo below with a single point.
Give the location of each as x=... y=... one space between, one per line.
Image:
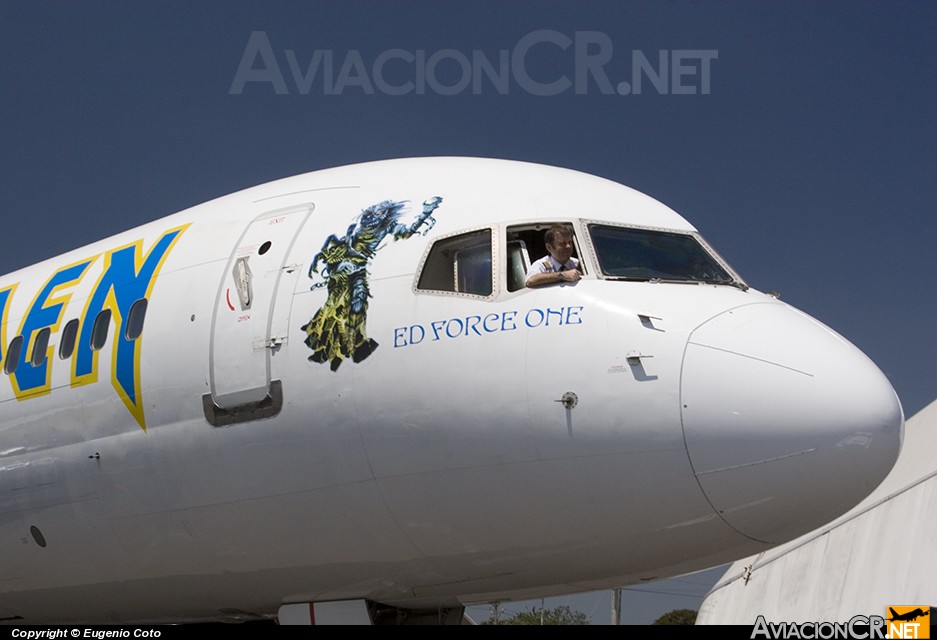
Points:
x=813 y=426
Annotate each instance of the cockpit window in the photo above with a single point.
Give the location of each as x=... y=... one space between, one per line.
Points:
x=525 y=244
x=645 y=254
x=459 y=264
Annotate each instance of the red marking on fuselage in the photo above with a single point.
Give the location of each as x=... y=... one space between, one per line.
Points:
x=227 y=297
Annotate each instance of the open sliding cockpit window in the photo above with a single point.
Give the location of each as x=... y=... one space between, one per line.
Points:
x=526 y=243
x=459 y=264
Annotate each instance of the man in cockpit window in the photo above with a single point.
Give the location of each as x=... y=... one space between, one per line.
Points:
x=559 y=265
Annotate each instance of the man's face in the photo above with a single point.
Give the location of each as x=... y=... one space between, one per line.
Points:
x=562 y=248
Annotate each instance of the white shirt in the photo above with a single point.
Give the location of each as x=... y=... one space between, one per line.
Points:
x=548 y=264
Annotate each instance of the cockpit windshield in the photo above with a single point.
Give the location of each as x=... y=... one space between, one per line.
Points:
x=645 y=254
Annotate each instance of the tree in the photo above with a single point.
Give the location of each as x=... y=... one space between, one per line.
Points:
x=556 y=615
x=677 y=616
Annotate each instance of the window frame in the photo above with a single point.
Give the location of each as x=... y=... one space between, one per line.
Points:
x=10 y=364
x=95 y=329
x=132 y=315
x=36 y=358
x=496 y=266
x=593 y=254
x=68 y=338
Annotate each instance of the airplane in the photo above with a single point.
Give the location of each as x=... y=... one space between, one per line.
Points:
x=910 y=616
x=332 y=398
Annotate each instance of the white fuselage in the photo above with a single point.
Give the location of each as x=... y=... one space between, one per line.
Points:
x=710 y=421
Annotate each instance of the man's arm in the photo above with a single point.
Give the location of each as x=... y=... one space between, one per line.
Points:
x=553 y=277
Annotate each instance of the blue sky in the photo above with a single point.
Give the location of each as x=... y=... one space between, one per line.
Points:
x=809 y=161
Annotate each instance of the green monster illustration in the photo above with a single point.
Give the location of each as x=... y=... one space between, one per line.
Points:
x=338 y=330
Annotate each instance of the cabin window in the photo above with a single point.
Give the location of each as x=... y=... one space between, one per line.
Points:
x=40 y=346
x=13 y=355
x=459 y=264
x=69 y=334
x=135 y=319
x=99 y=330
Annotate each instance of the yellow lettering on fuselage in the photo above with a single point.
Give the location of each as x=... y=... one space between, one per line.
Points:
x=128 y=274
x=5 y=295
x=45 y=311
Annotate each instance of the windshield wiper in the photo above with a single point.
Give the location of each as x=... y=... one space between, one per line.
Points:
x=655 y=280
x=731 y=283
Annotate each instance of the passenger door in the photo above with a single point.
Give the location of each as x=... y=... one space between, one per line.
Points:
x=252 y=308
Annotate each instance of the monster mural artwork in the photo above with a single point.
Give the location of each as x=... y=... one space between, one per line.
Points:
x=338 y=330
